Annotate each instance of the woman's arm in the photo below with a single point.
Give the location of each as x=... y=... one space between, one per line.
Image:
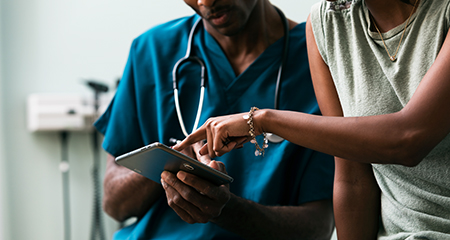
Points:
x=356 y=196
x=356 y=200
x=404 y=137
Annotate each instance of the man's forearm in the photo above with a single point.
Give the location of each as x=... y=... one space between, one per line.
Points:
x=255 y=221
x=127 y=194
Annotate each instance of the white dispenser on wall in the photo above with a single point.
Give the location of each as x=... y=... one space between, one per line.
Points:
x=61 y=112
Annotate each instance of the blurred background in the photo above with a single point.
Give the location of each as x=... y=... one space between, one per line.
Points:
x=47 y=188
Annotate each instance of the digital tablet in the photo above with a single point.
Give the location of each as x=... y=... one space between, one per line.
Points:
x=151 y=160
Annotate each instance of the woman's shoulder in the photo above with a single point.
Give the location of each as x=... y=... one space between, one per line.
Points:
x=338 y=7
x=336 y=14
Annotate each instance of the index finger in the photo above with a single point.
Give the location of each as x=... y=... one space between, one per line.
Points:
x=198 y=135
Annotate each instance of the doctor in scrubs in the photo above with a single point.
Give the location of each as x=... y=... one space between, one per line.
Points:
x=284 y=194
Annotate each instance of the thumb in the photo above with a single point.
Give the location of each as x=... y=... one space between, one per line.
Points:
x=220 y=166
x=214 y=165
x=204 y=150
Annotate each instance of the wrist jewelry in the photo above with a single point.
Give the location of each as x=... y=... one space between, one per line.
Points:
x=249 y=117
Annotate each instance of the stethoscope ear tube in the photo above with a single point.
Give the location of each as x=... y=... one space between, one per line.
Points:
x=177 y=107
x=202 y=92
x=270 y=136
x=283 y=58
x=185 y=59
x=199 y=110
x=188 y=58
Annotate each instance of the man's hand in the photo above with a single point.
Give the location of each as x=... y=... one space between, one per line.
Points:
x=194 y=199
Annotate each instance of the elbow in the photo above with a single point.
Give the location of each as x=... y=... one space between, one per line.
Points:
x=326 y=232
x=115 y=210
x=410 y=161
x=408 y=150
x=322 y=225
x=404 y=156
x=112 y=211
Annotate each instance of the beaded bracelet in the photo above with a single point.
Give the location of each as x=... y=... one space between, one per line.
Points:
x=249 y=117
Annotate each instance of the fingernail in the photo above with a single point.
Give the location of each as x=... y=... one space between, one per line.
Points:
x=181 y=175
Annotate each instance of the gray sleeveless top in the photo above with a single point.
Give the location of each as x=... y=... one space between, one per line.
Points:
x=415 y=202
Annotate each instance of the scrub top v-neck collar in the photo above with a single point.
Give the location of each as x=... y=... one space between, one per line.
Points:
x=224 y=74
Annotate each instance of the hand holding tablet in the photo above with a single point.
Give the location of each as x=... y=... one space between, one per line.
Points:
x=151 y=160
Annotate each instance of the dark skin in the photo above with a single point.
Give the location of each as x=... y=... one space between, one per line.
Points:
x=249 y=27
x=244 y=29
x=402 y=138
x=198 y=201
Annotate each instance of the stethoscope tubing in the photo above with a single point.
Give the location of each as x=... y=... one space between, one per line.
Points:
x=283 y=59
x=189 y=58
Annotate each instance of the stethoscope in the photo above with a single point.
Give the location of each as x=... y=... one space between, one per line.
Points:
x=188 y=58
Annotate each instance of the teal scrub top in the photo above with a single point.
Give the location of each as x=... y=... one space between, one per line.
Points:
x=143 y=112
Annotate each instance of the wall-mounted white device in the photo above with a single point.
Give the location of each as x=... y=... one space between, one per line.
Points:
x=62 y=112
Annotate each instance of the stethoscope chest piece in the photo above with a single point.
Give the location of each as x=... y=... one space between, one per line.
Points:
x=274 y=138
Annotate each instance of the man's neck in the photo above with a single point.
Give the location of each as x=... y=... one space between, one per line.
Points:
x=263 y=28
